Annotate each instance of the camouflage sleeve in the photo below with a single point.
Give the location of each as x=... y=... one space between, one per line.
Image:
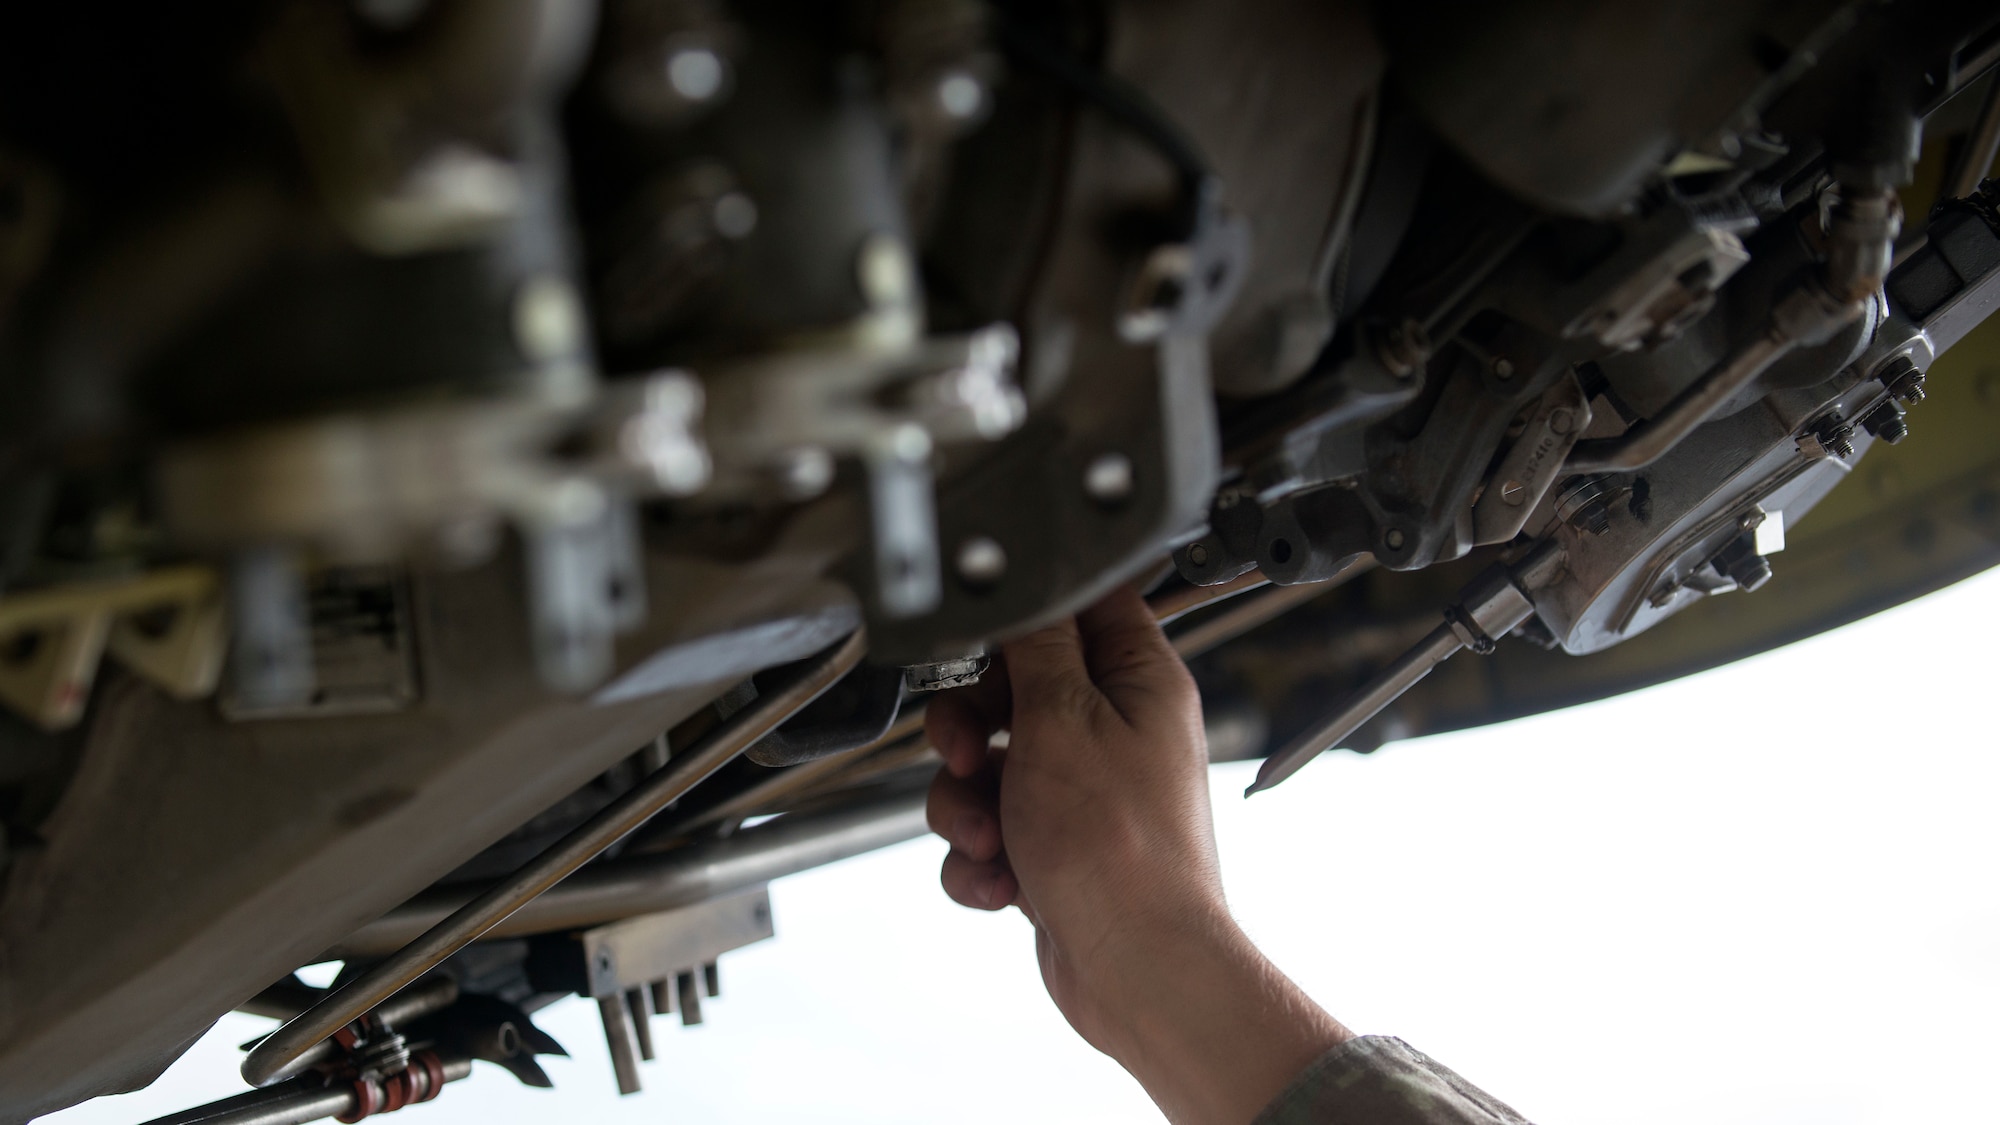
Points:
x=1379 y=1080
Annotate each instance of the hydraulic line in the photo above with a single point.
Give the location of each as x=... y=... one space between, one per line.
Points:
x=281 y=1055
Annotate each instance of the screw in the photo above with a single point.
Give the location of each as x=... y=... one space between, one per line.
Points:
x=1197 y=555
x=1513 y=492
x=1561 y=421
x=1503 y=368
x=1393 y=539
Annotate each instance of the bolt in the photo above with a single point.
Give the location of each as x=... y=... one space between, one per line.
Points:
x=1513 y=492
x=1835 y=436
x=1404 y=348
x=1197 y=555
x=1904 y=380
x=1393 y=539
x=734 y=216
x=1886 y=422
x=1561 y=421
x=981 y=561
x=1583 y=504
x=1108 y=478
x=1503 y=368
x=1750 y=571
x=961 y=96
x=696 y=73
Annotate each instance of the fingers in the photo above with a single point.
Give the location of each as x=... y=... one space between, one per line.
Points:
x=960 y=722
x=982 y=886
x=1047 y=668
x=966 y=812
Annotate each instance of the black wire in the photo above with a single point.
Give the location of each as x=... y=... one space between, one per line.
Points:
x=1123 y=103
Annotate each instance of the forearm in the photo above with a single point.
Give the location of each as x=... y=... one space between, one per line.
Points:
x=1207 y=1024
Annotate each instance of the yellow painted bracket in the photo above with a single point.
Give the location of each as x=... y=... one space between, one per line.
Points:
x=166 y=625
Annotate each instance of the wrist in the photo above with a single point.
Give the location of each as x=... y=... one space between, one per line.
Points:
x=1204 y=1021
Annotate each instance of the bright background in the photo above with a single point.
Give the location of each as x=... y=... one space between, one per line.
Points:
x=1761 y=894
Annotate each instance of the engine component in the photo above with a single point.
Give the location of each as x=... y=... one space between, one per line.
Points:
x=635 y=967
x=279 y=1056
x=425 y=404
x=1485 y=611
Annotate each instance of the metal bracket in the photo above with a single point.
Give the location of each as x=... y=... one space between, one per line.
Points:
x=643 y=966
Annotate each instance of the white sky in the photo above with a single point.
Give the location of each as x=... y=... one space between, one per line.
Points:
x=1762 y=894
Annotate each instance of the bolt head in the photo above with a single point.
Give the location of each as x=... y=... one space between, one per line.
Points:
x=1561 y=420
x=1197 y=555
x=1108 y=478
x=1513 y=492
x=696 y=73
x=734 y=216
x=961 y=96
x=981 y=561
x=1503 y=368
x=1394 y=539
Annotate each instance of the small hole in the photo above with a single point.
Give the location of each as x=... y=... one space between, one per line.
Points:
x=1281 y=550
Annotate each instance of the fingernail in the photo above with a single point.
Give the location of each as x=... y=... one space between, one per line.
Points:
x=966 y=829
x=984 y=886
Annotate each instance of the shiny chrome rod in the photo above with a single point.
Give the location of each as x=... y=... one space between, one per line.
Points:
x=621 y=888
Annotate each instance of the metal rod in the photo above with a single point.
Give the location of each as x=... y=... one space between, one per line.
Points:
x=693 y=874
x=642 y=1021
x=619 y=1041
x=289 y=1108
x=1436 y=647
x=276 y=1058
x=1254 y=610
x=1489 y=607
x=1982 y=145
x=293 y=1103
x=1651 y=440
x=810 y=776
x=1178 y=602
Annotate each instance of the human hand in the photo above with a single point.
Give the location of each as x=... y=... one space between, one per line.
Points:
x=1094 y=819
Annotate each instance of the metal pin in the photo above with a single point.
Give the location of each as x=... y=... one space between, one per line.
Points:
x=642 y=1021
x=711 y=977
x=1488 y=608
x=690 y=1000
x=618 y=1037
x=663 y=996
